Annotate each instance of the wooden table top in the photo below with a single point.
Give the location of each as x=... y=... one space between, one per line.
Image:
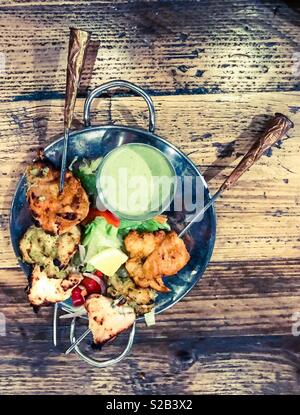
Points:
x=216 y=71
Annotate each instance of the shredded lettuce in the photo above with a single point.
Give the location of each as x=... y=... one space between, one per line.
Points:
x=99 y=235
x=89 y=166
x=86 y=173
x=150 y=225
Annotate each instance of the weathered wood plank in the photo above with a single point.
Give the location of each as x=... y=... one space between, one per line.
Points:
x=248 y=298
x=167 y=47
x=253 y=365
x=29 y=3
x=194 y=357
x=232 y=333
x=257 y=219
x=242 y=237
x=196 y=354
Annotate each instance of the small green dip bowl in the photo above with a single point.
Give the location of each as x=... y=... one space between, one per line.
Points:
x=136 y=181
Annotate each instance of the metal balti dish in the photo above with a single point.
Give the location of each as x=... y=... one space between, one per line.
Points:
x=92 y=142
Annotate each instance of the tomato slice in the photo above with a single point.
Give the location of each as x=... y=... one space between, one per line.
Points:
x=77 y=298
x=106 y=214
x=98 y=273
x=91 y=285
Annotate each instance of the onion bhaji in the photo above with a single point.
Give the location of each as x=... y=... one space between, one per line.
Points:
x=153 y=256
x=56 y=212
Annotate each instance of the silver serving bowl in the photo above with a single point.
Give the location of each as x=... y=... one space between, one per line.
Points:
x=93 y=142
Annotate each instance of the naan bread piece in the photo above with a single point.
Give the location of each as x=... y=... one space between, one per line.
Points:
x=56 y=212
x=45 y=290
x=106 y=320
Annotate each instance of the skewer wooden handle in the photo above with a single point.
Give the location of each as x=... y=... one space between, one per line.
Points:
x=276 y=130
x=78 y=44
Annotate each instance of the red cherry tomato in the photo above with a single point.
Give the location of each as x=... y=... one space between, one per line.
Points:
x=98 y=273
x=91 y=285
x=77 y=298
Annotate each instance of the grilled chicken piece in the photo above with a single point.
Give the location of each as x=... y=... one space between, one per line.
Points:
x=45 y=290
x=147 y=266
x=140 y=245
x=56 y=212
x=135 y=269
x=106 y=320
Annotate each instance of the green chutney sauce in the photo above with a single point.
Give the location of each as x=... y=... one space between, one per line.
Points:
x=136 y=181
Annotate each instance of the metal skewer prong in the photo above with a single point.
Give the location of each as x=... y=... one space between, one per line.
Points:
x=76 y=343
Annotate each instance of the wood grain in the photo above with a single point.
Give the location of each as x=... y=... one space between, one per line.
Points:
x=217 y=71
x=169 y=47
x=249 y=298
x=209 y=355
x=235 y=298
x=249 y=365
x=268 y=195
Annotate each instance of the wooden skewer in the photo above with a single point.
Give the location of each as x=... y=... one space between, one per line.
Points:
x=276 y=130
x=78 y=43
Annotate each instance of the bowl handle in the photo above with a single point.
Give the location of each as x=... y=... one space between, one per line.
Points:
x=104 y=363
x=114 y=84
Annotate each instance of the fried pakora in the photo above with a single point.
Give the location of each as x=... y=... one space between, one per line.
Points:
x=45 y=290
x=153 y=256
x=170 y=257
x=106 y=320
x=141 y=245
x=56 y=212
